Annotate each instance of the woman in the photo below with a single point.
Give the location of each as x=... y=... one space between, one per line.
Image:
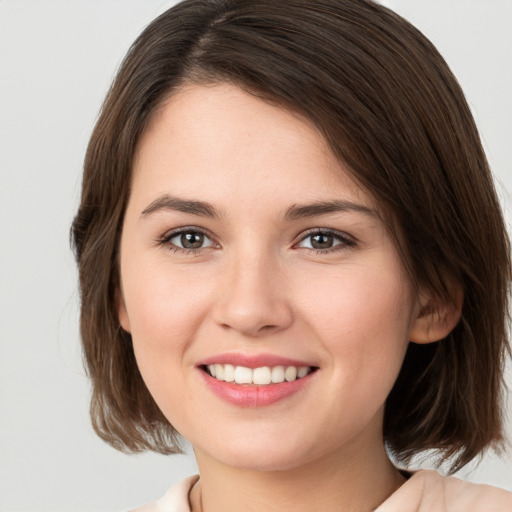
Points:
x=284 y=240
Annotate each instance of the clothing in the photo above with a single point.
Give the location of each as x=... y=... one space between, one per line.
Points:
x=425 y=491
x=428 y=491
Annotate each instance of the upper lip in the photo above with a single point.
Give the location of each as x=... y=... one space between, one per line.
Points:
x=253 y=360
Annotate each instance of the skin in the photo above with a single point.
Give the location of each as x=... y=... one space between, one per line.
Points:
x=257 y=286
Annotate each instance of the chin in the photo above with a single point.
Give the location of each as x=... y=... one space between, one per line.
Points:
x=248 y=454
x=262 y=463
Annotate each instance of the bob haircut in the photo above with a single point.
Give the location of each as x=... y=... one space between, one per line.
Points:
x=394 y=115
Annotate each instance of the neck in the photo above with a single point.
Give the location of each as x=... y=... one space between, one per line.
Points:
x=339 y=481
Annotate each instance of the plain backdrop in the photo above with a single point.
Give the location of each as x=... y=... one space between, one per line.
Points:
x=57 y=58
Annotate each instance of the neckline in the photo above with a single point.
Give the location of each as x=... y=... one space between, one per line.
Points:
x=195 y=479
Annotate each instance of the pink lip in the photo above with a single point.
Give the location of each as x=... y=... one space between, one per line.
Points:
x=247 y=395
x=251 y=395
x=253 y=361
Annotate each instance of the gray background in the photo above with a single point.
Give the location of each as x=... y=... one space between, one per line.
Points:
x=57 y=58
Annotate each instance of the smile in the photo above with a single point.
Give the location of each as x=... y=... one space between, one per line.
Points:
x=256 y=380
x=262 y=376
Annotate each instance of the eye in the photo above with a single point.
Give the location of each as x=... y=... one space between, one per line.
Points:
x=187 y=240
x=325 y=240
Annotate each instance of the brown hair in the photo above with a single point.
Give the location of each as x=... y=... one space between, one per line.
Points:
x=393 y=113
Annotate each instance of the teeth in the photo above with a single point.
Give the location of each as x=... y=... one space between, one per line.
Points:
x=242 y=375
x=302 y=372
x=262 y=376
x=278 y=374
x=290 y=373
x=219 y=371
x=229 y=373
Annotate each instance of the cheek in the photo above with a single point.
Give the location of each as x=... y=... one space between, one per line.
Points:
x=163 y=305
x=165 y=311
x=363 y=322
x=363 y=319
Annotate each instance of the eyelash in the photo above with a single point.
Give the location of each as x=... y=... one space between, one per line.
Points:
x=345 y=241
x=165 y=240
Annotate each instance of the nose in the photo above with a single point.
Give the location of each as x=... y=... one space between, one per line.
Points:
x=253 y=297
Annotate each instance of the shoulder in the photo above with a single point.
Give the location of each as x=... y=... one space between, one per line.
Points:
x=174 y=500
x=427 y=490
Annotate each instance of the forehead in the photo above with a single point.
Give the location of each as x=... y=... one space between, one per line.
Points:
x=219 y=139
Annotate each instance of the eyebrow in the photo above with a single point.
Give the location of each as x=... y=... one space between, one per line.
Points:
x=297 y=212
x=168 y=202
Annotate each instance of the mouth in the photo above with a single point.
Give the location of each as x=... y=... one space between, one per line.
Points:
x=260 y=376
x=256 y=380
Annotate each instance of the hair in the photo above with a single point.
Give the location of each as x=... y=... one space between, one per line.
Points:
x=392 y=112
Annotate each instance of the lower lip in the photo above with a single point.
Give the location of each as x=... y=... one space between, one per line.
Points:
x=245 y=395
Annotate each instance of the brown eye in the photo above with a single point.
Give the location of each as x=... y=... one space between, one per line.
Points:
x=322 y=241
x=191 y=240
x=188 y=240
x=326 y=241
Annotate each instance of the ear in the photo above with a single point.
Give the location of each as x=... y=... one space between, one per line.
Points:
x=122 y=313
x=436 y=317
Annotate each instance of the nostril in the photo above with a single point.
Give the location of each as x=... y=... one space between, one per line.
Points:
x=269 y=327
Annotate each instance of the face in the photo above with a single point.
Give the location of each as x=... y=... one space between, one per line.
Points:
x=269 y=309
